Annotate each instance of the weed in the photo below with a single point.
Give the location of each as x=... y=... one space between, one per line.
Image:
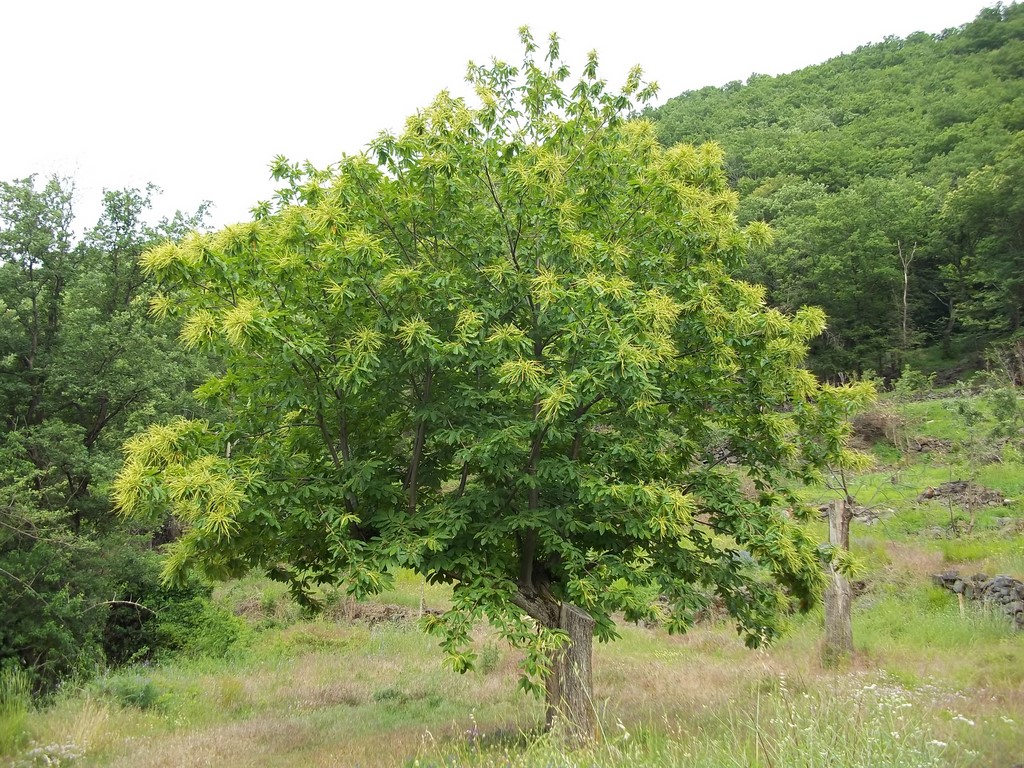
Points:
x=488 y=659
x=390 y=695
x=15 y=703
x=231 y=694
x=130 y=689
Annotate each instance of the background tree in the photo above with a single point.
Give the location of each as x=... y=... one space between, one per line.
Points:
x=81 y=366
x=840 y=251
x=503 y=349
x=984 y=216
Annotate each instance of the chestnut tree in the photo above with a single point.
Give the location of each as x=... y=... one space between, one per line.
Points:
x=502 y=349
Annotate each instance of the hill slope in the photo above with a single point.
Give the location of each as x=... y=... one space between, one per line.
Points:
x=905 y=146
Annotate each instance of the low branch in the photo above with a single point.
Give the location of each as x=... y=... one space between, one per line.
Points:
x=121 y=602
x=543 y=610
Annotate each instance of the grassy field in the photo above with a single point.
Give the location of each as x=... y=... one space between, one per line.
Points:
x=932 y=683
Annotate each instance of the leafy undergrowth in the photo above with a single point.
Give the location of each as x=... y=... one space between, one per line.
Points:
x=933 y=682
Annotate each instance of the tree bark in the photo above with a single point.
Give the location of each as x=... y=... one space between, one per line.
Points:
x=570 y=687
x=838 y=595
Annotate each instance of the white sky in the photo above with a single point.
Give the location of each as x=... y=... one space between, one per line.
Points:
x=198 y=96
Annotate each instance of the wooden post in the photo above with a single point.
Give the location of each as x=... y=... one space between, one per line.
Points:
x=838 y=595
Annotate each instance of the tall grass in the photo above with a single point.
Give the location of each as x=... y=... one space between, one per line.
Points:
x=15 y=702
x=862 y=721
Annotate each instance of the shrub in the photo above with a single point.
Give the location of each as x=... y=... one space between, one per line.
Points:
x=130 y=690
x=911 y=384
x=198 y=627
x=880 y=425
x=54 y=626
x=155 y=620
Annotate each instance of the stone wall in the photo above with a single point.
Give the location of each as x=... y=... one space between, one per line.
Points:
x=1004 y=592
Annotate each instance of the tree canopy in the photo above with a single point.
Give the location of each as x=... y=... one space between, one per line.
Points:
x=504 y=349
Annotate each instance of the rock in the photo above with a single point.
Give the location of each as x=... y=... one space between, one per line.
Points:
x=964 y=494
x=1001 y=590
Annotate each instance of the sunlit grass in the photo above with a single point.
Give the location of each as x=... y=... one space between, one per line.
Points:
x=317 y=692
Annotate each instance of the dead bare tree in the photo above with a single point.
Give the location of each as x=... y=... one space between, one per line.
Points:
x=906 y=259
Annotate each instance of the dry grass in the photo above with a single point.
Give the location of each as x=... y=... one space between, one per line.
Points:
x=342 y=695
x=320 y=694
x=323 y=693
x=914 y=560
x=246 y=743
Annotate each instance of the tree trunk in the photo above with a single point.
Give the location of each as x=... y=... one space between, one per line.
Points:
x=570 y=688
x=838 y=595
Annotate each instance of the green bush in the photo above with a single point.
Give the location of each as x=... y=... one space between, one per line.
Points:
x=129 y=633
x=100 y=603
x=155 y=620
x=130 y=690
x=197 y=627
x=53 y=626
x=912 y=383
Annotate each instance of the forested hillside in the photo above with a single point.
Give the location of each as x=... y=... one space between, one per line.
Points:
x=894 y=179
